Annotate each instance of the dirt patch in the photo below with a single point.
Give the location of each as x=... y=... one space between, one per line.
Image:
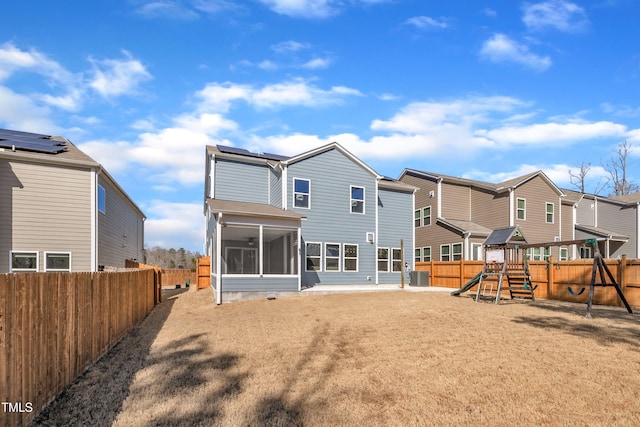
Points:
x=387 y=358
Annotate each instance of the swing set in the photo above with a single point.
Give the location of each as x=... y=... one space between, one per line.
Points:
x=505 y=258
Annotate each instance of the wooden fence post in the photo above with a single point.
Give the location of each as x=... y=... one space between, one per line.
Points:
x=550 y=277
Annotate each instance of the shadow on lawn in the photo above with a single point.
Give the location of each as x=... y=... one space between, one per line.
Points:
x=626 y=330
x=315 y=366
x=96 y=396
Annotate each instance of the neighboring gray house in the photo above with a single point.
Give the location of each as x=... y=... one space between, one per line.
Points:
x=60 y=210
x=276 y=223
x=613 y=221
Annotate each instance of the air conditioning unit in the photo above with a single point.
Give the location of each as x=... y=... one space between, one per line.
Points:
x=418 y=278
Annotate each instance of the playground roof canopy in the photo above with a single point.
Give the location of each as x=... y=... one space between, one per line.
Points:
x=503 y=236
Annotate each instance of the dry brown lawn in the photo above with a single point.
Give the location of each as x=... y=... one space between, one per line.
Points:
x=374 y=359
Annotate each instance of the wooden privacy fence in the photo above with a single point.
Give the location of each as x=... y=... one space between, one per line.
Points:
x=553 y=278
x=55 y=325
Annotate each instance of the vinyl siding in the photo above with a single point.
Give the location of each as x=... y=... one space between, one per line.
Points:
x=456 y=201
x=395 y=222
x=489 y=209
x=613 y=217
x=242 y=182
x=120 y=229
x=329 y=220
x=45 y=208
x=537 y=193
x=275 y=188
x=260 y=284
x=435 y=236
x=585 y=212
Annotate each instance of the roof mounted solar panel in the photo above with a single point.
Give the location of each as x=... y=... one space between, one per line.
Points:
x=26 y=146
x=34 y=142
x=234 y=150
x=6 y=132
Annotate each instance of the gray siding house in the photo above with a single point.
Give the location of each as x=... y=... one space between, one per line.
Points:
x=276 y=223
x=60 y=210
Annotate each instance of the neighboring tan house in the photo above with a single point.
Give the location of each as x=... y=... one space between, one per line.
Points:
x=453 y=216
x=60 y=210
x=276 y=223
x=612 y=221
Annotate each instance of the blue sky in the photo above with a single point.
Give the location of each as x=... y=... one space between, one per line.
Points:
x=485 y=90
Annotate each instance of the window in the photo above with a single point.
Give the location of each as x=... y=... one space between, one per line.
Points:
x=383 y=259
x=585 y=252
x=301 y=193
x=331 y=257
x=456 y=251
x=426 y=216
x=101 y=199
x=57 y=261
x=550 y=210
x=24 y=261
x=416 y=255
x=357 y=199
x=313 y=254
x=476 y=251
x=416 y=218
x=426 y=254
x=564 y=254
x=445 y=253
x=350 y=258
x=396 y=260
x=521 y=206
x=538 y=254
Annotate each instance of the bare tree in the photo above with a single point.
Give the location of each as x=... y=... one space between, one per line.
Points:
x=618 y=169
x=577 y=179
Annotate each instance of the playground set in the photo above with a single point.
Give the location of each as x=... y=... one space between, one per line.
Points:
x=506 y=270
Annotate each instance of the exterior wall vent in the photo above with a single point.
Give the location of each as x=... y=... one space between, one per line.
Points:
x=370 y=237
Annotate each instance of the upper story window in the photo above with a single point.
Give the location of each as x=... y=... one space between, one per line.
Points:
x=422 y=217
x=301 y=193
x=521 y=209
x=24 y=261
x=102 y=203
x=357 y=199
x=549 y=213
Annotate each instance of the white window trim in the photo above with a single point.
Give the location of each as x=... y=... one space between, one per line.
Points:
x=378 y=259
x=461 y=253
x=553 y=213
x=357 y=258
x=419 y=212
x=566 y=256
x=308 y=195
x=423 y=217
x=449 y=255
x=57 y=252
x=104 y=191
x=524 y=209
x=320 y=256
x=351 y=200
x=339 y=258
x=11 y=269
x=419 y=257
x=422 y=253
x=394 y=259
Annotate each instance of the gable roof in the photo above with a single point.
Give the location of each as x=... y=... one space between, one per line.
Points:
x=463 y=227
x=602 y=232
x=498 y=188
x=329 y=147
x=502 y=236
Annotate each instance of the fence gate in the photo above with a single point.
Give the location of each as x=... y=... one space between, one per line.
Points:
x=203 y=272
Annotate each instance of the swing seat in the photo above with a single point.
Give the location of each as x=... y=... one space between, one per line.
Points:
x=572 y=292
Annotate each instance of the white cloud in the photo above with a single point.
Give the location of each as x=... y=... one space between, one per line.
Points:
x=426 y=22
x=303 y=8
x=21 y=113
x=317 y=63
x=174 y=225
x=117 y=77
x=561 y=15
x=218 y=97
x=552 y=133
x=501 y=48
x=290 y=46
x=166 y=8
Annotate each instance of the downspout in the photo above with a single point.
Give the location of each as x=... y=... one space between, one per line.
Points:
x=413 y=228
x=94 y=217
x=376 y=236
x=465 y=237
x=219 y=260
x=439 y=200
x=511 y=208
